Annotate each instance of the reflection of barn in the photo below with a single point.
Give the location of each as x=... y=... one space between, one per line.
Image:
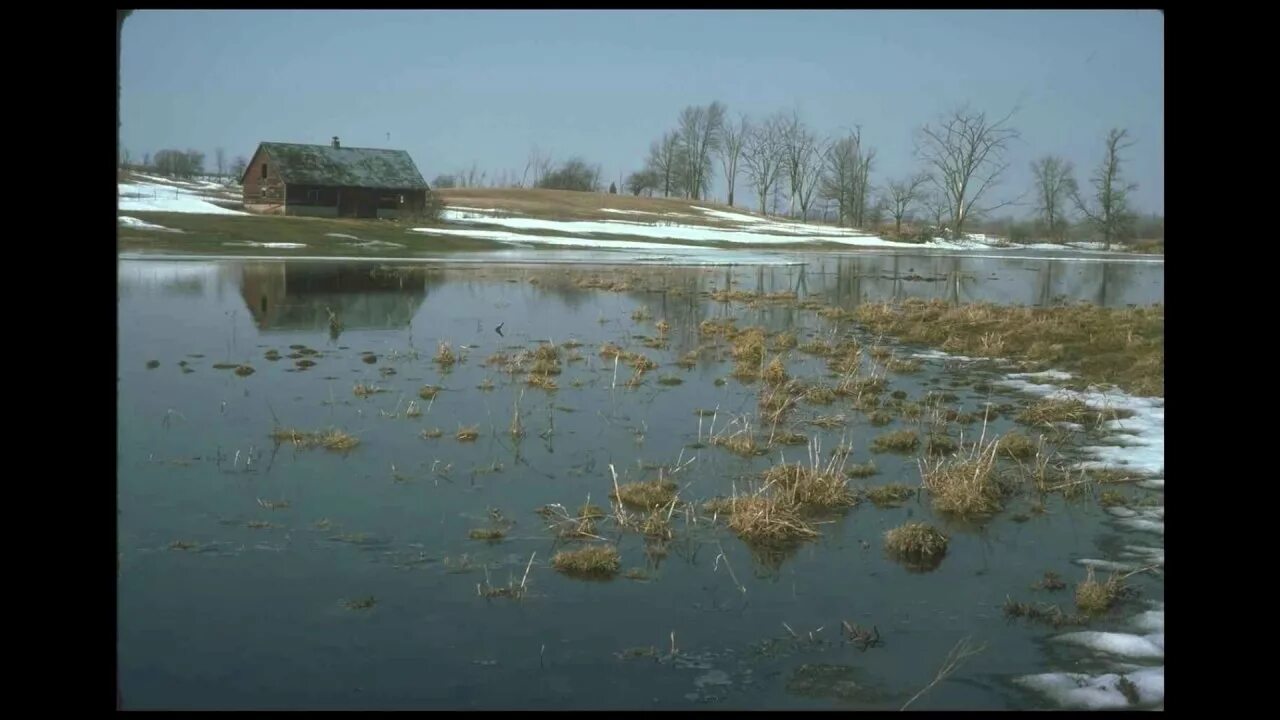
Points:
x=298 y=296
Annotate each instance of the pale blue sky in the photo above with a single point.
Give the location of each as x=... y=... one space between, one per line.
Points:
x=453 y=87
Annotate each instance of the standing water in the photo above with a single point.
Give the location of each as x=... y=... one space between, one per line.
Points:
x=411 y=566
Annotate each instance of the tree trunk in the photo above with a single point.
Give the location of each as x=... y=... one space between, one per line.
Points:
x=730 y=198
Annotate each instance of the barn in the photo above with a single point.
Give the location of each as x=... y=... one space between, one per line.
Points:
x=332 y=181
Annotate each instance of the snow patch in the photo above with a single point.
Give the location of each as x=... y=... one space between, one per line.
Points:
x=1101 y=692
x=151 y=197
x=1124 y=644
x=137 y=224
x=251 y=243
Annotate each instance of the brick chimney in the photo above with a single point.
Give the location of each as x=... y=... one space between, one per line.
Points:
x=335 y=142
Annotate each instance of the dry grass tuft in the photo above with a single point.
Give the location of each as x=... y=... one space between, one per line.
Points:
x=1097 y=597
x=1017 y=446
x=468 y=433
x=896 y=441
x=445 y=356
x=964 y=484
x=891 y=494
x=916 y=542
x=594 y=561
x=331 y=439
x=647 y=494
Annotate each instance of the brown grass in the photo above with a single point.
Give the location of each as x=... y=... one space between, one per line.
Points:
x=331 y=439
x=445 y=356
x=593 y=561
x=816 y=485
x=896 y=441
x=915 y=541
x=1123 y=347
x=965 y=483
x=571 y=205
x=891 y=494
x=1097 y=597
x=1017 y=446
x=647 y=494
x=767 y=519
x=468 y=433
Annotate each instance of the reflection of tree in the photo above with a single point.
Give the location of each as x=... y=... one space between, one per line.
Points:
x=300 y=296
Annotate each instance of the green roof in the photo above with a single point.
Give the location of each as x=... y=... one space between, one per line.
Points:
x=343 y=167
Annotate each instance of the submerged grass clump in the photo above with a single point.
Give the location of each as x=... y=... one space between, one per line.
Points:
x=896 y=441
x=593 y=561
x=648 y=494
x=445 y=356
x=1097 y=597
x=429 y=392
x=864 y=470
x=489 y=533
x=468 y=433
x=915 y=541
x=1017 y=446
x=891 y=494
x=331 y=439
x=764 y=518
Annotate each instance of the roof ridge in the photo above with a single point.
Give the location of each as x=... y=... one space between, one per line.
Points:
x=330 y=147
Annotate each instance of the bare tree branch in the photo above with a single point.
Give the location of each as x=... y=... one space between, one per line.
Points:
x=1110 y=214
x=965 y=154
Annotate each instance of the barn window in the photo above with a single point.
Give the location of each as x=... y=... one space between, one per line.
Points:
x=313 y=197
x=264 y=170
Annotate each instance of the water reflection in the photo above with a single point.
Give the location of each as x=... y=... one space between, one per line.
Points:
x=301 y=296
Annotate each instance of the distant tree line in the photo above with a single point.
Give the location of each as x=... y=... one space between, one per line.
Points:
x=184 y=163
x=962 y=156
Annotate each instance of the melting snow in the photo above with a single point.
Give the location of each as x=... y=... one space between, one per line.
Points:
x=152 y=197
x=134 y=222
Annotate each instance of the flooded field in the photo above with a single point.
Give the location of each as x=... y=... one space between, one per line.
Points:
x=363 y=485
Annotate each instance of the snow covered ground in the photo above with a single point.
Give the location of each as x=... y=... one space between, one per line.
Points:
x=135 y=223
x=165 y=197
x=725 y=227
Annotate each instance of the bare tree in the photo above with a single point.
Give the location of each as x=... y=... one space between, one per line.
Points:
x=901 y=194
x=965 y=154
x=146 y=160
x=762 y=158
x=864 y=180
x=1110 y=214
x=799 y=149
x=811 y=172
x=470 y=177
x=843 y=165
x=699 y=132
x=847 y=166
x=732 y=139
x=667 y=162
x=124 y=161
x=937 y=206
x=444 y=182
x=644 y=181
x=539 y=163
x=1054 y=184
x=220 y=158
x=237 y=167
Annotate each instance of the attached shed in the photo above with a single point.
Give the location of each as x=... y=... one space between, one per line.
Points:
x=332 y=181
